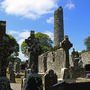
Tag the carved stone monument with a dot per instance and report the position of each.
(30, 41)
(49, 80)
(75, 58)
(10, 67)
(6, 45)
(66, 45)
(33, 79)
(12, 76)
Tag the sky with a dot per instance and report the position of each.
(21, 16)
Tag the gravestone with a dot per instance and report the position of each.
(33, 79)
(23, 65)
(30, 41)
(50, 79)
(75, 58)
(10, 67)
(6, 45)
(71, 86)
(17, 68)
(12, 76)
(66, 45)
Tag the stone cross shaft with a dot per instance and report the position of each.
(66, 45)
(30, 41)
(35, 50)
(5, 48)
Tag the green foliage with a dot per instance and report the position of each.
(82, 52)
(54, 48)
(44, 39)
(45, 42)
(24, 48)
(87, 43)
(16, 47)
(13, 57)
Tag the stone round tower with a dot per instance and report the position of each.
(58, 26)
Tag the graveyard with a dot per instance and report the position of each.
(52, 70)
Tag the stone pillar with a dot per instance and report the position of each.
(58, 26)
(2, 33)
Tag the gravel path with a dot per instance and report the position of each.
(15, 86)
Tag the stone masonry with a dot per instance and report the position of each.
(58, 26)
(54, 61)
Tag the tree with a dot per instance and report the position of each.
(87, 43)
(13, 56)
(45, 42)
(16, 47)
(82, 52)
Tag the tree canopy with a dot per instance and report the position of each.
(16, 47)
(13, 56)
(45, 42)
(87, 43)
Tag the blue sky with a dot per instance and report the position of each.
(21, 16)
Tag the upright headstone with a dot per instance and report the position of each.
(66, 45)
(17, 68)
(30, 41)
(10, 67)
(12, 76)
(75, 58)
(49, 80)
(33, 79)
(6, 45)
(58, 26)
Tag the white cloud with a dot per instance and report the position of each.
(22, 57)
(24, 34)
(69, 5)
(50, 20)
(20, 41)
(12, 32)
(29, 8)
(50, 34)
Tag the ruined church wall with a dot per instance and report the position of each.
(42, 62)
(85, 58)
(56, 62)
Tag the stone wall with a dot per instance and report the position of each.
(42, 63)
(85, 58)
(54, 61)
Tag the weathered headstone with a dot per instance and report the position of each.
(75, 58)
(33, 79)
(50, 79)
(23, 65)
(66, 45)
(17, 68)
(12, 76)
(6, 45)
(10, 67)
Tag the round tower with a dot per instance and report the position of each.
(58, 26)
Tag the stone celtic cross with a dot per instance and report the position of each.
(66, 45)
(35, 50)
